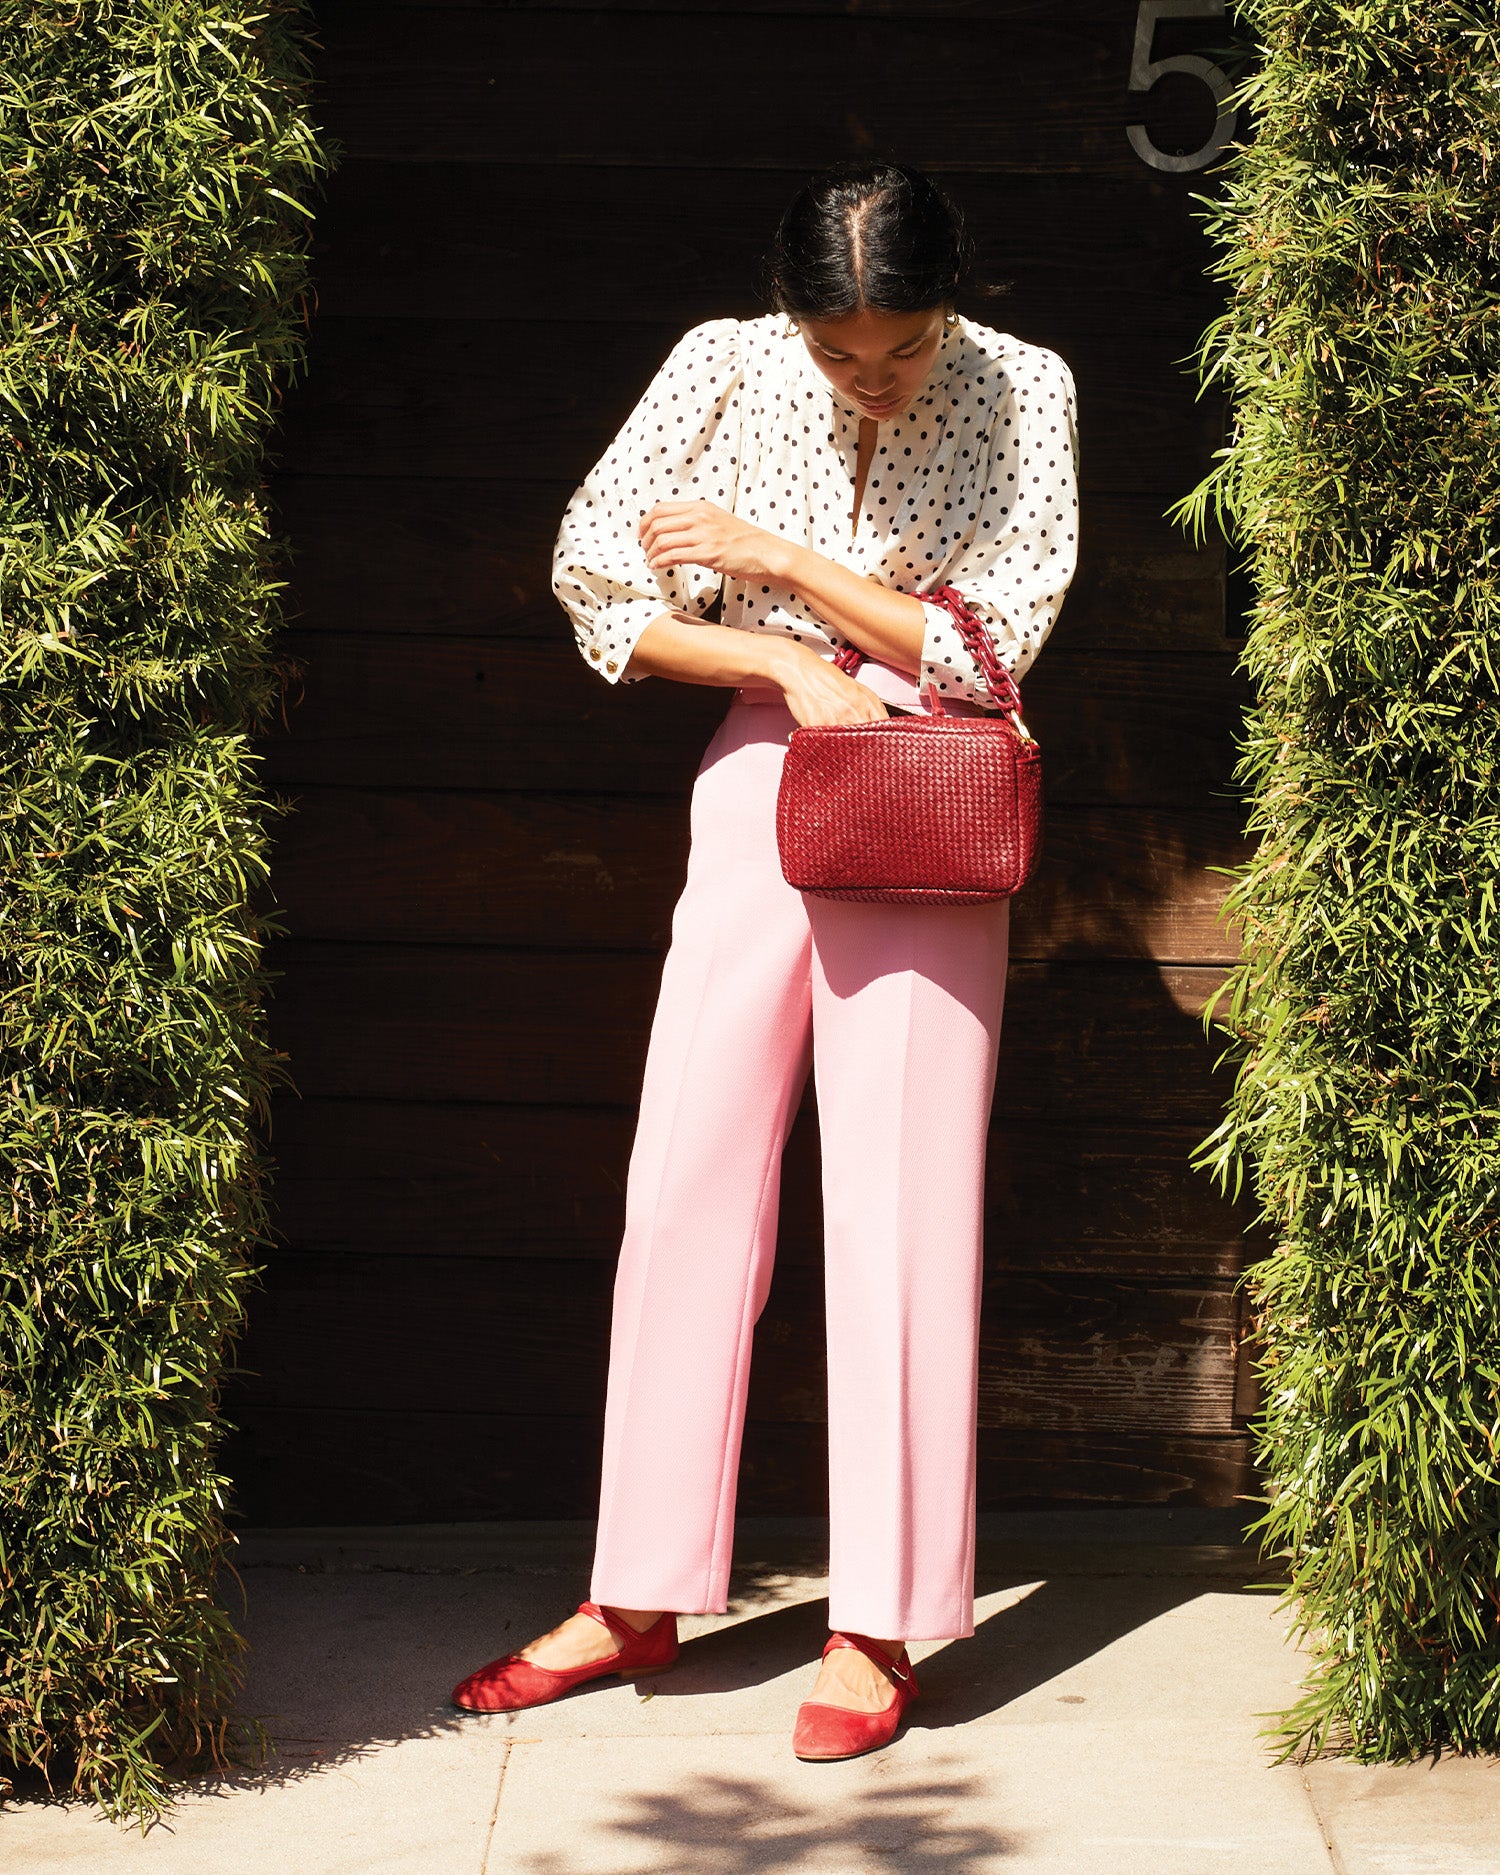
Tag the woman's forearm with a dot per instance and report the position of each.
(886, 625)
(678, 645)
(890, 626)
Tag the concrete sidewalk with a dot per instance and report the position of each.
(1104, 1718)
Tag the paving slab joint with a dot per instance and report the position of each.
(1335, 1860)
(489, 1834)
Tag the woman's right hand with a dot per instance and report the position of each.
(817, 692)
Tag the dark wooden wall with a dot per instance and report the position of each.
(533, 202)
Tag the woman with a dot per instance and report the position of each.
(788, 485)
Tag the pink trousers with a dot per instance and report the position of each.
(897, 1009)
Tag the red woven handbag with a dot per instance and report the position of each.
(915, 810)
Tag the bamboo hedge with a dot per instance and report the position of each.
(157, 159)
(1359, 237)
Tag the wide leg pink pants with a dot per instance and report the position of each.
(899, 1009)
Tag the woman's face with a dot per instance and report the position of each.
(878, 360)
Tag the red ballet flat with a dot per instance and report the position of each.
(511, 1683)
(824, 1732)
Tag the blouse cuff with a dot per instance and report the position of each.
(610, 638)
(947, 663)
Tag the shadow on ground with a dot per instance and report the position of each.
(745, 1826)
(346, 1661)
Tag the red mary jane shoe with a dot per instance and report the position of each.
(824, 1732)
(509, 1683)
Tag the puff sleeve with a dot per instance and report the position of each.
(680, 443)
(1020, 556)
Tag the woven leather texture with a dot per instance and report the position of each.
(942, 810)
(917, 810)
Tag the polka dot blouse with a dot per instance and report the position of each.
(974, 485)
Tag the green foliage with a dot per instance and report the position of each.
(1360, 239)
(153, 153)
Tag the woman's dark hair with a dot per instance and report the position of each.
(876, 235)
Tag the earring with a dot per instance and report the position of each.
(791, 330)
(951, 322)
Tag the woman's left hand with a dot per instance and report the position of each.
(697, 533)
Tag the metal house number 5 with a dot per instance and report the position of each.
(1144, 72)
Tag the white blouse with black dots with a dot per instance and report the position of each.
(974, 486)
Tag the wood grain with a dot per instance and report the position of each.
(473, 558)
(325, 1465)
(391, 1334)
(584, 871)
(386, 711)
(488, 839)
(418, 1022)
(462, 1179)
(464, 240)
(487, 397)
(1016, 13)
(441, 82)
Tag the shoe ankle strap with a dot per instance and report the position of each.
(900, 1666)
(622, 1629)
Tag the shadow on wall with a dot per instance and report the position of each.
(466, 998)
(478, 879)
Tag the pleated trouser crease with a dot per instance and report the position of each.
(897, 1010)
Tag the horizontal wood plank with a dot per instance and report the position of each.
(416, 1022)
(489, 840)
(473, 558)
(386, 711)
(298, 1466)
(462, 1179)
(1013, 12)
(391, 1334)
(1081, 257)
(595, 872)
(1050, 97)
(543, 398)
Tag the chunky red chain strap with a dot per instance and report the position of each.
(977, 641)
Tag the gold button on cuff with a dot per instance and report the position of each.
(595, 653)
(611, 667)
